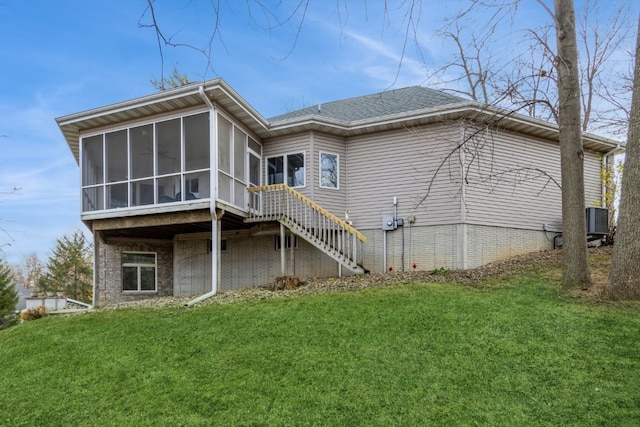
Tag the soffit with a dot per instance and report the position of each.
(495, 118)
(222, 95)
(217, 92)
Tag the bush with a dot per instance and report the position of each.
(34, 313)
(286, 282)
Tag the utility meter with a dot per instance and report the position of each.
(388, 223)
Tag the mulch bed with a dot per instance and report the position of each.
(543, 261)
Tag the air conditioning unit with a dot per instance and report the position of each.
(597, 221)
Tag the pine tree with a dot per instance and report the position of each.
(8, 295)
(70, 268)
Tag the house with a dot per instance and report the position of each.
(191, 191)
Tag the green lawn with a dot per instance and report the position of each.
(514, 354)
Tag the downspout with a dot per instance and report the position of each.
(603, 184)
(215, 260)
(215, 220)
(205, 98)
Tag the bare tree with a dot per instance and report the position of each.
(598, 43)
(526, 79)
(29, 273)
(546, 83)
(624, 280)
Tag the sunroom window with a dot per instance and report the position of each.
(232, 161)
(161, 162)
(288, 168)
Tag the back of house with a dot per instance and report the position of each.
(191, 191)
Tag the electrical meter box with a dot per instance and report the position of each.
(388, 223)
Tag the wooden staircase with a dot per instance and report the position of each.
(306, 219)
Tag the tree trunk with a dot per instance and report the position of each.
(624, 280)
(575, 273)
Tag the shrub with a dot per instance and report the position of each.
(286, 282)
(34, 313)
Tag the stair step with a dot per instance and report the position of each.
(288, 200)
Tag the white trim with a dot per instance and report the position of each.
(138, 265)
(337, 156)
(231, 175)
(162, 117)
(181, 173)
(239, 125)
(284, 166)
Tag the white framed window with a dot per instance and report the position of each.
(139, 272)
(286, 169)
(329, 170)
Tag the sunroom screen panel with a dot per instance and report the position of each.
(141, 151)
(117, 163)
(196, 141)
(92, 160)
(224, 145)
(168, 146)
(239, 154)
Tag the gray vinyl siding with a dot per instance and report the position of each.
(290, 144)
(513, 181)
(312, 143)
(401, 163)
(334, 200)
(592, 181)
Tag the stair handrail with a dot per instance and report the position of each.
(345, 225)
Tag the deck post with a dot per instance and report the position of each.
(282, 251)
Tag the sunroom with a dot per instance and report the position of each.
(157, 153)
(167, 162)
(167, 178)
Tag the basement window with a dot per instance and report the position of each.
(287, 242)
(138, 272)
(223, 245)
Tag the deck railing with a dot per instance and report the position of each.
(306, 218)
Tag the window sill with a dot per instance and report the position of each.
(139, 292)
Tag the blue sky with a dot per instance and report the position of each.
(65, 56)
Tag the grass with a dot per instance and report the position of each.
(516, 353)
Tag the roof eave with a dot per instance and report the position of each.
(475, 111)
(217, 90)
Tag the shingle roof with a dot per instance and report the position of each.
(377, 105)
